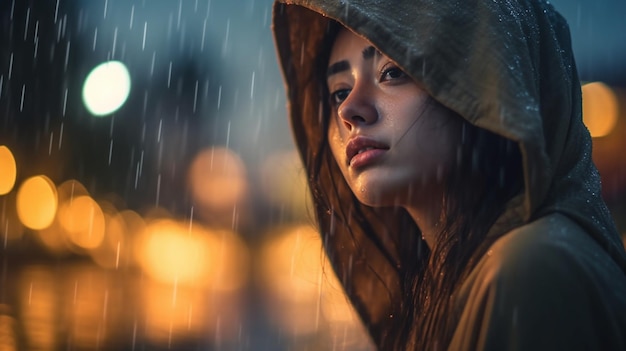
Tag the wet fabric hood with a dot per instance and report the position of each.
(505, 66)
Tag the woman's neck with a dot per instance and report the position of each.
(427, 214)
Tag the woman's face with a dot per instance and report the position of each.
(393, 144)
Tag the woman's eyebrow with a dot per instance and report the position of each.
(369, 52)
(337, 67)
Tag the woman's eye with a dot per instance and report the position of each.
(392, 73)
(338, 96)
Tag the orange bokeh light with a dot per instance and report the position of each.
(298, 276)
(217, 179)
(83, 221)
(37, 202)
(177, 253)
(600, 109)
(9, 170)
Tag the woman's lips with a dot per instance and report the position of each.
(362, 151)
(366, 157)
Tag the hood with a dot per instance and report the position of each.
(505, 66)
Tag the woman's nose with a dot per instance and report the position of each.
(358, 108)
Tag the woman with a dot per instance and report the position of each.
(451, 172)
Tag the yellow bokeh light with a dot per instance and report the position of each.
(37, 202)
(53, 238)
(174, 312)
(106, 88)
(217, 179)
(297, 275)
(8, 170)
(11, 228)
(172, 255)
(112, 251)
(8, 328)
(39, 308)
(83, 221)
(600, 109)
(177, 253)
(293, 263)
(70, 189)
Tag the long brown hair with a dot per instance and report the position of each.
(488, 173)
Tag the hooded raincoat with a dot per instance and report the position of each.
(554, 279)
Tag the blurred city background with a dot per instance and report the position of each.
(150, 193)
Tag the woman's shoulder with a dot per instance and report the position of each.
(553, 242)
(551, 251)
(546, 285)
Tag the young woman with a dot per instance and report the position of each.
(451, 172)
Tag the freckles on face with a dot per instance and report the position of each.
(388, 137)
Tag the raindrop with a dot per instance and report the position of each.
(134, 335)
(56, 11)
(64, 25)
(50, 144)
(67, 56)
(110, 151)
(180, 10)
(225, 44)
(219, 97)
(203, 36)
(191, 220)
(61, 136)
(145, 30)
(251, 86)
(117, 255)
(137, 172)
(105, 305)
(132, 16)
(169, 75)
(22, 98)
(228, 135)
(195, 97)
(36, 48)
(95, 39)
(158, 190)
(152, 64)
(160, 129)
(26, 24)
(114, 42)
(10, 66)
(64, 102)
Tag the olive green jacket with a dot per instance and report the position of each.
(555, 279)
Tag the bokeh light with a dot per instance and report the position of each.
(106, 88)
(173, 312)
(8, 328)
(39, 307)
(37, 202)
(55, 237)
(9, 170)
(600, 108)
(90, 303)
(217, 181)
(297, 276)
(113, 248)
(187, 254)
(83, 220)
(11, 228)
